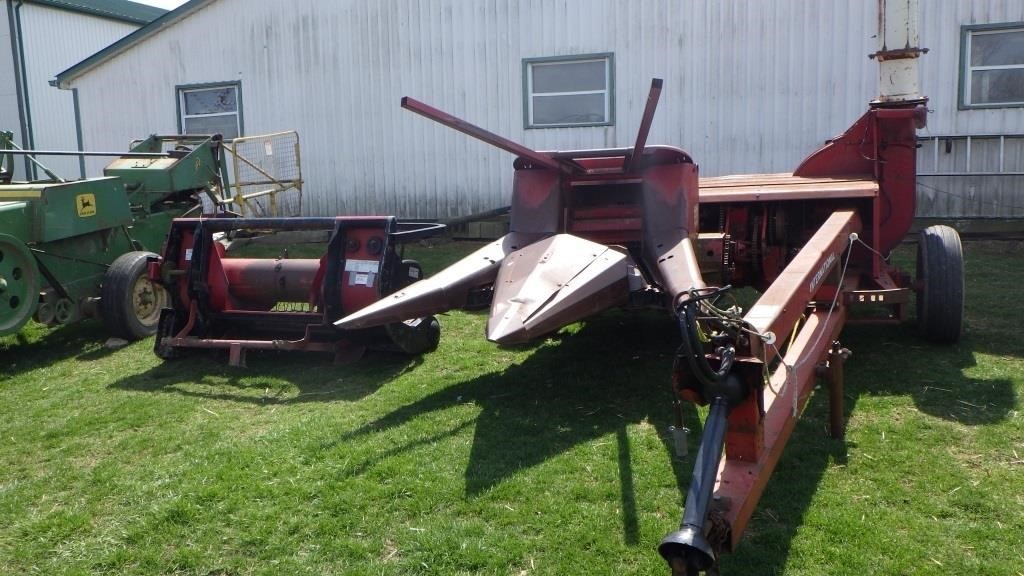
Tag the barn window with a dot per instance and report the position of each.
(568, 91)
(992, 57)
(210, 109)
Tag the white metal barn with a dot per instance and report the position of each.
(749, 87)
(39, 38)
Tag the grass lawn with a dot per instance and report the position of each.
(546, 459)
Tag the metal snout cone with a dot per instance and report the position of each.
(555, 282)
(443, 291)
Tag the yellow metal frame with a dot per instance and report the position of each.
(276, 187)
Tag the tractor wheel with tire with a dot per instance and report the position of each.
(940, 280)
(414, 337)
(130, 302)
(19, 284)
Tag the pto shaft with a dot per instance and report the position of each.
(687, 550)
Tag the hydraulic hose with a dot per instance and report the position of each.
(692, 349)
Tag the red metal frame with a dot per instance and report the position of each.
(865, 175)
(759, 427)
(811, 241)
(240, 304)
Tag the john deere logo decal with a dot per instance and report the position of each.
(86, 205)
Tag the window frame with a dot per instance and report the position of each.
(182, 89)
(609, 91)
(967, 32)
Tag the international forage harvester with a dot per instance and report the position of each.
(635, 227)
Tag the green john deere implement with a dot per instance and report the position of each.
(77, 249)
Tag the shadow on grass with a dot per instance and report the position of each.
(612, 373)
(36, 346)
(886, 361)
(894, 361)
(269, 376)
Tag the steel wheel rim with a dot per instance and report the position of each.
(147, 301)
(19, 284)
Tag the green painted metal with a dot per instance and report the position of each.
(195, 164)
(150, 230)
(77, 266)
(122, 10)
(65, 209)
(19, 283)
(59, 238)
(16, 218)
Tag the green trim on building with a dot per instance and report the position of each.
(174, 16)
(78, 130)
(114, 9)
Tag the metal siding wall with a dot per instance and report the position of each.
(940, 72)
(762, 84)
(970, 196)
(132, 95)
(749, 86)
(982, 182)
(54, 40)
(976, 195)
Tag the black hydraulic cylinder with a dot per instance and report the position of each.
(687, 550)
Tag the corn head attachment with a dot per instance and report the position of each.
(221, 300)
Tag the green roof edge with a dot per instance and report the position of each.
(166, 20)
(122, 10)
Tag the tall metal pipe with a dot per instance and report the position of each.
(898, 51)
(20, 81)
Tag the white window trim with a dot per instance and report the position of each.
(608, 91)
(967, 71)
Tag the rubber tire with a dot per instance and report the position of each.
(14, 254)
(940, 276)
(415, 339)
(116, 307)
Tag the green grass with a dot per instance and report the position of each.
(546, 459)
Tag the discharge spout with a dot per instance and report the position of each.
(898, 51)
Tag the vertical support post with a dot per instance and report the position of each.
(236, 355)
(836, 356)
(1002, 152)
